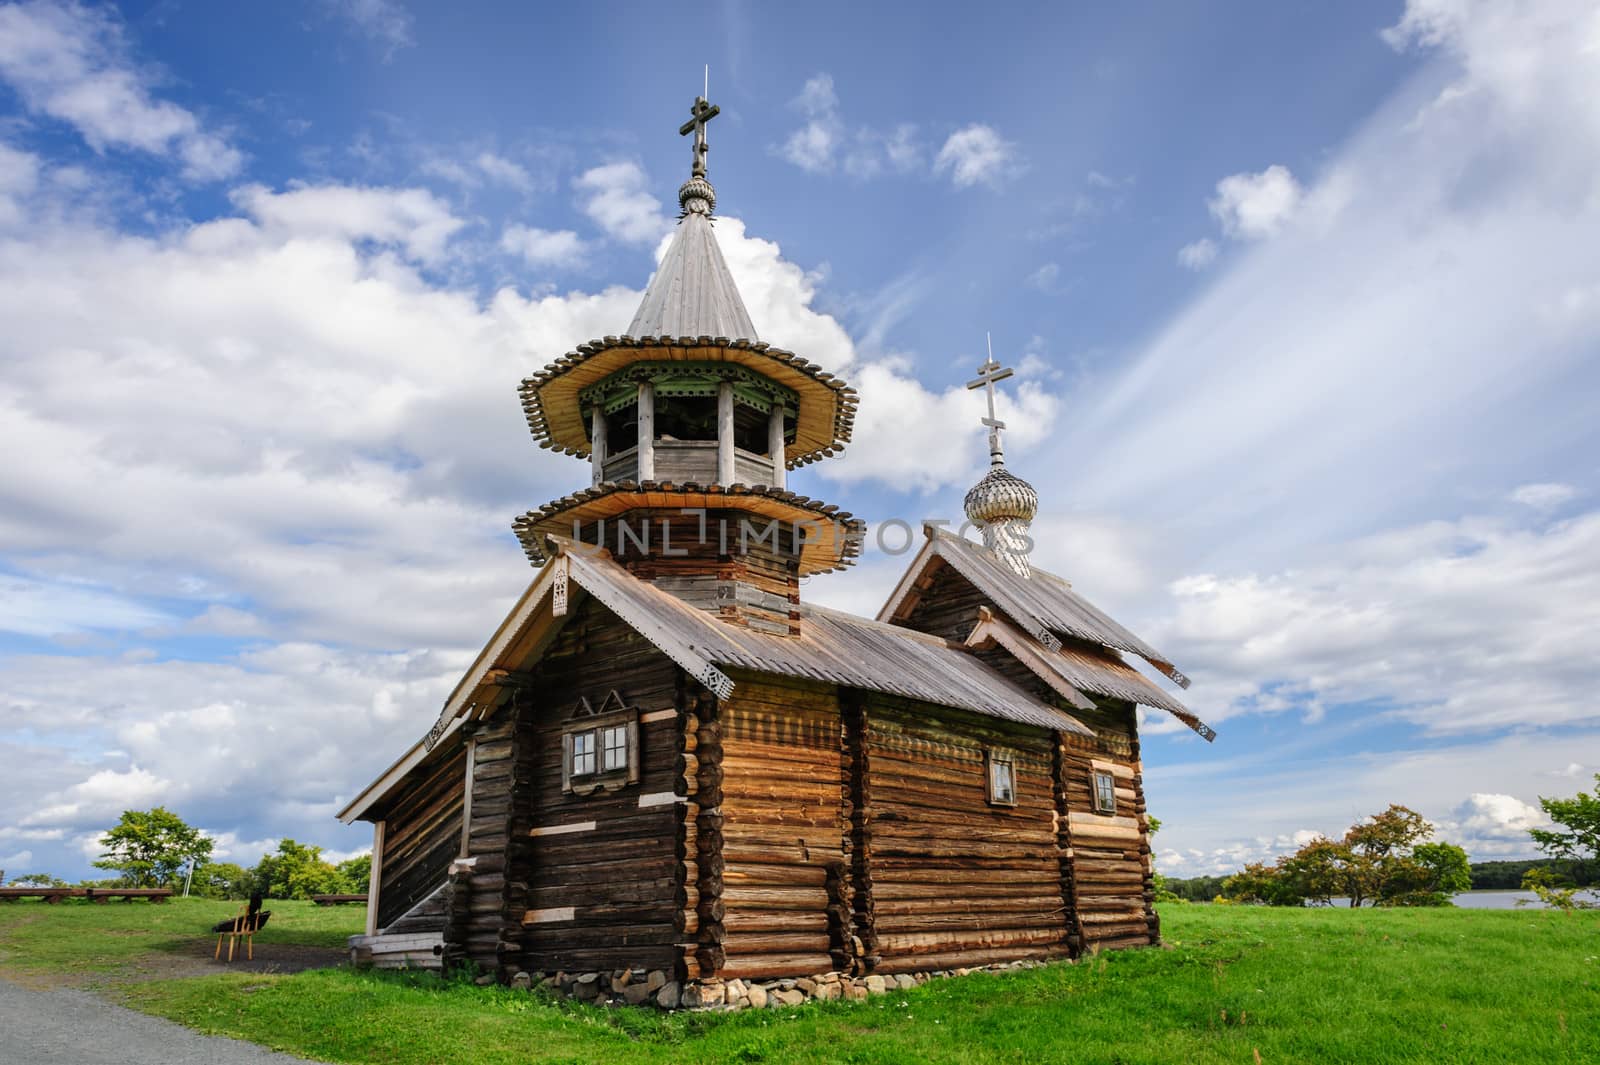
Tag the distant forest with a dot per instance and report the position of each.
(1486, 876)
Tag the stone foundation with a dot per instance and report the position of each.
(641, 987)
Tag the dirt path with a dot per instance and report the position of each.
(66, 1027)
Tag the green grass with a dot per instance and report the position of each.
(79, 937)
(1433, 986)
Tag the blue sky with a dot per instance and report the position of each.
(1305, 302)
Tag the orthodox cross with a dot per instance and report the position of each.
(703, 112)
(988, 374)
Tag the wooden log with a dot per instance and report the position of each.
(773, 966)
(738, 944)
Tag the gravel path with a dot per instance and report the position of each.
(77, 1028)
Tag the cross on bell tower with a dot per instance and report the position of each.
(989, 373)
(703, 112)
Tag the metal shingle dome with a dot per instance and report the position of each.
(1001, 496)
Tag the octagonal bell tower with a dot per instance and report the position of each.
(690, 423)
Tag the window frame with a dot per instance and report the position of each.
(594, 727)
(997, 756)
(1096, 775)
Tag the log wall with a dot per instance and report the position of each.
(954, 880)
(1112, 873)
(784, 891)
(601, 870)
(422, 835)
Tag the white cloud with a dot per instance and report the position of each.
(1254, 206)
(825, 142)
(814, 146)
(920, 439)
(385, 22)
(1499, 818)
(1198, 255)
(73, 64)
(15, 865)
(542, 247)
(101, 798)
(484, 167)
(976, 155)
(40, 608)
(503, 171)
(412, 219)
(619, 202)
(1544, 496)
(19, 176)
(1044, 279)
(1460, 626)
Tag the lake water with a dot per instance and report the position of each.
(1490, 900)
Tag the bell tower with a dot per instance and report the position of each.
(690, 423)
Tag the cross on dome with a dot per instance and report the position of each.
(696, 196)
(989, 373)
(703, 112)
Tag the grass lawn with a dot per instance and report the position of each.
(1323, 986)
(83, 939)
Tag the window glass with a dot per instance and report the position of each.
(1002, 779)
(1105, 793)
(582, 753)
(614, 747)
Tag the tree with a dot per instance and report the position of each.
(152, 848)
(1578, 837)
(224, 880)
(1319, 871)
(1432, 873)
(1378, 869)
(1258, 882)
(38, 880)
(297, 871)
(1382, 861)
(356, 874)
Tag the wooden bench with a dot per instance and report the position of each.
(56, 894)
(337, 900)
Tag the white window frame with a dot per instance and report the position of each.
(993, 759)
(590, 732)
(1097, 777)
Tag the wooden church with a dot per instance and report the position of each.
(665, 761)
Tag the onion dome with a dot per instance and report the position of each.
(1001, 496)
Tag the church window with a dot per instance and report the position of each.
(600, 747)
(582, 754)
(614, 747)
(1105, 792)
(1002, 778)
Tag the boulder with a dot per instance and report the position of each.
(521, 982)
(636, 994)
(855, 993)
(904, 981)
(669, 994)
(790, 997)
(876, 985)
(757, 996)
(656, 980)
